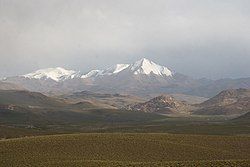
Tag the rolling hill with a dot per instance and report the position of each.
(35, 109)
(27, 98)
(163, 104)
(103, 100)
(228, 102)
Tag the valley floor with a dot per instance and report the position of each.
(195, 125)
(126, 149)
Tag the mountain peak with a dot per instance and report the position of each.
(144, 60)
(145, 66)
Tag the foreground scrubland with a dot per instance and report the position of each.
(126, 150)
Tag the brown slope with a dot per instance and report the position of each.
(164, 104)
(10, 86)
(243, 118)
(26, 98)
(228, 102)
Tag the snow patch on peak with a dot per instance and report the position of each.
(145, 66)
(92, 73)
(115, 69)
(57, 74)
(109, 71)
(143, 61)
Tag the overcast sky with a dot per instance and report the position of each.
(200, 38)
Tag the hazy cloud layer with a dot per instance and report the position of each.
(209, 38)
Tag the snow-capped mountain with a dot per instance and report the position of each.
(57, 74)
(141, 77)
(143, 66)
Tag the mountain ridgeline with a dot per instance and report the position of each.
(228, 102)
(141, 78)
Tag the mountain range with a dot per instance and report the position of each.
(141, 78)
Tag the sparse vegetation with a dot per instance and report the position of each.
(125, 150)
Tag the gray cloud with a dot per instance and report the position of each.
(207, 38)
